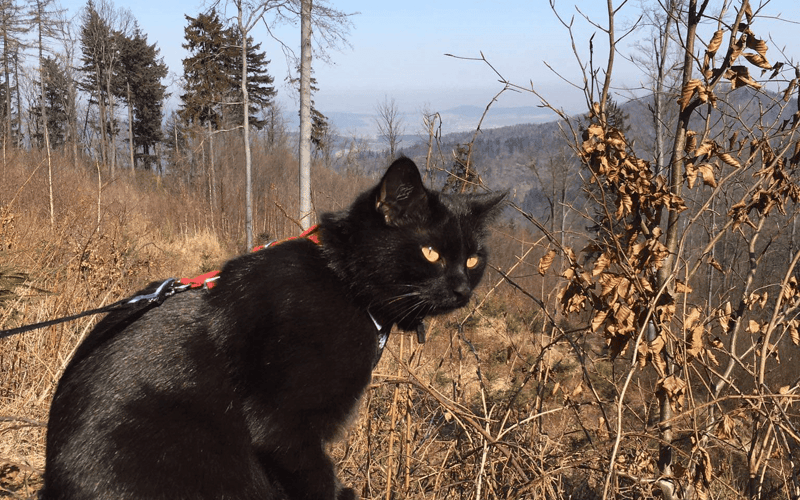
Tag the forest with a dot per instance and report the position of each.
(637, 331)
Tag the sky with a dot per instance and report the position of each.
(397, 50)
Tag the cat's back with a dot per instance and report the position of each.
(151, 388)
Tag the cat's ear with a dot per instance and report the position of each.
(487, 206)
(401, 196)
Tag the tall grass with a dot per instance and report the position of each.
(496, 404)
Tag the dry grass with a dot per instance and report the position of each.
(496, 404)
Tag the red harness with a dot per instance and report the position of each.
(209, 279)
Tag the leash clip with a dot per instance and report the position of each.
(163, 291)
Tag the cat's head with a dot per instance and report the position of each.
(408, 252)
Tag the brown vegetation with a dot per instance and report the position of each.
(641, 343)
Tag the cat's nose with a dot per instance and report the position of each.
(462, 290)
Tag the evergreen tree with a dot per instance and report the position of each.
(12, 27)
(259, 83)
(57, 102)
(142, 71)
(213, 75)
(319, 122)
(204, 71)
(100, 61)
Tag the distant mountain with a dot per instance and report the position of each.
(531, 152)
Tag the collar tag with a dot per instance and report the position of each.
(383, 337)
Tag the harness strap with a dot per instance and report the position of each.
(209, 279)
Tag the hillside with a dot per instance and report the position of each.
(528, 158)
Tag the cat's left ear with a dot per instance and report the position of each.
(401, 196)
(487, 206)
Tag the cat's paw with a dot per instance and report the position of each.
(347, 494)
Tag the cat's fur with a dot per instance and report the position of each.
(233, 392)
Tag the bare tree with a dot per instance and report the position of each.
(332, 26)
(304, 153)
(327, 28)
(390, 125)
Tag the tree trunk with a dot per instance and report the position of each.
(7, 103)
(248, 224)
(112, 150)
(102, 125)
(130, 124)
(305, 115)
(43, 109)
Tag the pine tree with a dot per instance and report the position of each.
(12, 27)
(260, 90)
(204, 72)
(319, 122)
(57, 102)
(100, 60)
(142, 71)
(213, 75)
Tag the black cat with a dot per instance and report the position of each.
(233, 392)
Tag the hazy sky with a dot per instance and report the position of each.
(398, 49)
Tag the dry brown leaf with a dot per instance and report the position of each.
(707, 170)
(654, 348)
(623, 315)
(625, 205)
(787, 94)
(715, 42)
(703, 473)
(726, 427)
(608, 283)
(675, 389)
(696, 341)
(753, 326)
(681, 287)
(748, 12)
(691, 318)
(691, 141)
(546, 261)
(691, 174)
(758, 45)
(687, 92)
(725, 318)
(595, 130)
(705, 148)
(716, 265)
(740, 77)
(598, 319)
(730, 160)
(570, 255)
(601, 264)
(757, 60)
(793, 333)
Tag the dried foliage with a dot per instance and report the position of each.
(641, 344)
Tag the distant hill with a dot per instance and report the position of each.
(505, 156)
(458, 119)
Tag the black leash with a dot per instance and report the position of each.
(163, 291)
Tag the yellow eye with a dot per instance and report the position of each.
(472, 262)
(430, 254)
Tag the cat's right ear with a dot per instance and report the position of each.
(401, 198)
